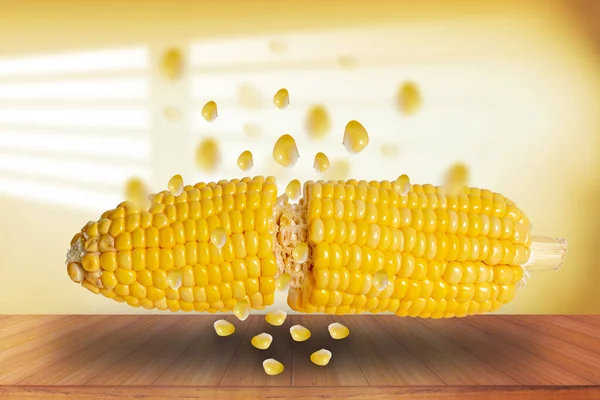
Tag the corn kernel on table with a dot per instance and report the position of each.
(181, 356)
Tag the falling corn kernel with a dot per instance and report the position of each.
(218, 237)
(356, 137)
(299, 333)
(136, 191)
(262, 341)
(321, 357)
(245, 161)
(207, 154)
(402, 185)
(241, 310)
(249, 97)
(283, 282)
(224, 328)
(409, 98)
(294, 190)
(300, 252)
(285, 151)
(339, 170)
(174, 279)
(321, 163)
(338, 331)
(457, 176)
(389, 150)
(281, 98)
(276, 318)
(253, 131)
(318, 123)
(171, 63)
(347, 62)
(380, 280)
(209, 111)
(176, 185)
(272, 366)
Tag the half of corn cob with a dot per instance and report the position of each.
(349, 247)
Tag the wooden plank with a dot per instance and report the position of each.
(342, 370)
(245, 368)
(453, 364)
(34, 337)
(204, 363)
(17, 324)
(80, 367)
(573, 358)
(298, 393)
(383, 359)
(588, 319)
(524, 367)
(30, 362)
(144, 365)
(570, 330)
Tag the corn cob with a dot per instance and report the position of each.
(345, 247)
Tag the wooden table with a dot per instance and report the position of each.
(180, 356)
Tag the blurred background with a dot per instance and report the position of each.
(95, 93)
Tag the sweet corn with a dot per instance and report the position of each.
(272, 366)
(136, 191)
(172, 63)
(224, 328)
(262, 341)
(338, 331)
(176, 185)
(300, 252)
(318, 122)
(293, 190)
(285, 151)
(207, 155)
(409, 98)
(245, 161)
(283, 282)
(276, 318)
(218, 237)
(321, 163)
(356, 137)
(380, 280)
(209, 111)
(299, 333)
(321, 357)
(281, 98)
(242, 310)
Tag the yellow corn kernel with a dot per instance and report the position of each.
(285, 151)
(136, 191)
(281, 98)
(76, 272)
(174, 279)
(208, 155)
(321, 163)
(300, 252)
(402, 185)
(176, 185)
(276, 318)
(318, 122)
(338, 331)
(356, 137)
(218, 237)
(245, 161)
(90, 262)
(293, 190)
(380, 280)
(224, 328)
(299, 333)
(409, 98)
(171, 63)
(241, 310)
(456, 177)
(272, 366)
(209, 111)
(321, 357)
(262, 341)
(283, 282)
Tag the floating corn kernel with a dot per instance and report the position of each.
(300, 252)
(262, 341)
(253, 131)
(245, 161)
(249, 97)
(389, 150)
(356, 137)
(409, 98)
(321, 163)
(209, 111)
(174, 279)
(338, 331)
(380, 280)
(218, 237)
(318, 123)
(283, 282)
(402, 185)
(299, 333)
(224, 328)
(272, 366)
(347, 62)
(321, 357)
(294, 190)
(241, 310)
(176, 185)
(207, 154)
(171, 63)
(456, 176)
(276, 318)
(339, 170)
(281, 98)
(285, 151)
(136, 191)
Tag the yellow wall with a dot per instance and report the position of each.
(546, 139)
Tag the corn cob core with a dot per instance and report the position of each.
(444, 254)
